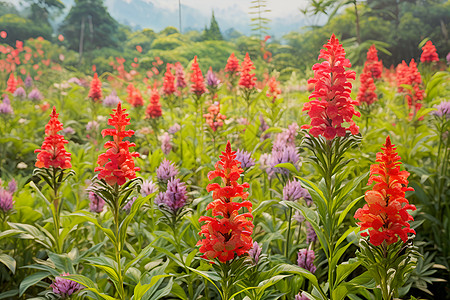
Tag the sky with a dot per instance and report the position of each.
(279, 8)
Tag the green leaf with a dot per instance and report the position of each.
(94, 221)
(178, 291)
(31, 280)
(302, 272)
(344, 213)
(158, 293)
(344, 269)
(289, 167)
(112, 274)
(89, 284)
(12, 294)
(8, 261)
(144, 252)
(211, 278)
(140, 290)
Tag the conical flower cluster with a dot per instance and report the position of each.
(248, 79)
(385, 214)
(116, 165)
(227, 234)
(198, 83)
(134, 96)
(366, 92)
(409, 75)
(53, 152)
(333, 108)
(169, 81)
(95, 93)
(372, 64)
(232, 64)
(153, 110)
(11, 84)
(429, 53)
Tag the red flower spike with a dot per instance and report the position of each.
(198, 83)
(214, 118)
(134, 96)
(95, 93)
(385, 214)
(116, 165)
(367, 89)
(11, 83)
(169, 82)
(153, 110)
(372, 64)
(409, 75)
(227, 234)
(429, 53)
(333, 106)
(274, 90)
(248, 79)
(53, 152)
(232, 64)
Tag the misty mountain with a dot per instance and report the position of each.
(140, 14)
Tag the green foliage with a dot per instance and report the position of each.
(91, 19)
(213, 32)
(21, 29)
(259, 23)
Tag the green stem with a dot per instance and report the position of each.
(288, 237)
(56, 211)
(118, 245)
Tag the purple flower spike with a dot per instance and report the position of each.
(300, 296)
(20, 93)
(96, 203)
(166, 145)
(111, 100)
(294, 191)
(35, 95)
(6, 200)
(179, 73)
(175, 128)
(166, 171)
(65, 287)
(255, 252)
(211, 79)
(245, 158)
(306, 260)
(5, 107)
(175, 197)
(311, 236)
(443, 109)
(28, 81)
(127, 207)
(148, 187)
(263, 127)
(12, 186)
(283, 153)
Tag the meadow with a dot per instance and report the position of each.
(177, 182)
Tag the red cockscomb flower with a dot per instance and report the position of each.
(385, 214)
(134, 96)
(52, 152)
(333, 106)
(409, 75)
(227, 234)
(274, 90)
(154, 108)
(11, 83)
(169, 81)
(248, 79)
(116, 165)
(214, 118)
(198, 83)
(232, 64)
(372, 64)
(95, 93)
(429, 53)
(366, 92)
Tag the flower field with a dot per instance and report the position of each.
(179, 182)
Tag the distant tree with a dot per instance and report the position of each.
(7, 8)
(21, 29)
(89, 26)
(231, 34)
(213, 32)
(168, 31)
